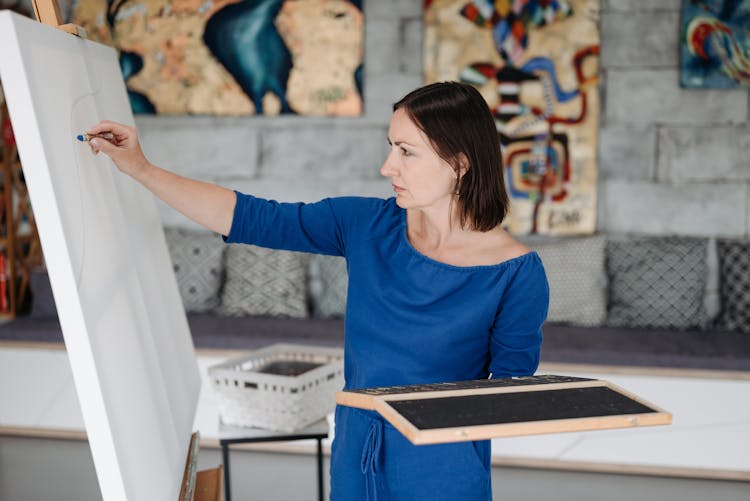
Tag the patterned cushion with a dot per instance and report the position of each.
(264, 282)
(734, 284)
(657, 282)
(577, 280)
(197, 262)
(328, 285)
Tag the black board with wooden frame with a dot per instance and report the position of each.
(491, 408)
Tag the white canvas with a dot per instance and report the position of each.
(125, 329)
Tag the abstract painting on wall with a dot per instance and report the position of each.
(234, 57)
(536, 62)
(715, 44)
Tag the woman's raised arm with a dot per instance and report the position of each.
(207, 204)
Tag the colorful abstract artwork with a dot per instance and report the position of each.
(536, 62)
(234, 57)
(715, 45)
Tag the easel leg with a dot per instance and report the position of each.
(225, 460)
(320, 470)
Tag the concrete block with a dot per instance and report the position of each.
(378, 188)
(331, 153)
(654, 96)
(712, 300)
(201, 147)
(381, 91)
(603, 78)
(704, 154)
(412, 55)
(383, 47)
(662, 209)
(296, 190)
(392, 9)
(640, 5)
(393, 46)
(627, 152)
(66, 9)
(170, 218)
(637, 39)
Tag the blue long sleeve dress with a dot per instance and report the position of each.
(409, 320)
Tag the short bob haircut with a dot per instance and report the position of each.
(456, 120)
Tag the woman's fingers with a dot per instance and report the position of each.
(119, 130)
(116, 134)
(121, 146)
(102, 145)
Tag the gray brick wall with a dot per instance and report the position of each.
(672, 161)
(302, 158)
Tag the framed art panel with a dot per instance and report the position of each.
(537, 65)
(234, 57)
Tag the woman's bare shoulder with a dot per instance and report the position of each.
(510, 248)
(497, 246)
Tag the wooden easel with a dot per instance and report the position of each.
(203, 485)
(48, 12)
(196, 485)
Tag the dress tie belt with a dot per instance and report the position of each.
(371, 458)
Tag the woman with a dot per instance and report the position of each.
(437, 290)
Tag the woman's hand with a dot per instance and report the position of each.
(205, 203)
(124, 148)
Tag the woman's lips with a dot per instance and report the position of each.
(397, 188)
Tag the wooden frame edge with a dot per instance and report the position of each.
(357, 400)
(493, 390)
(397, 420)
(187, 486)
(659, 416)
(638, 399)
(369, 402)
(209, 484)
(507, 430)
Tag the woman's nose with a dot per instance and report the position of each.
(387, 168)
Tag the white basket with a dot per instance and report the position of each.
(251, 396)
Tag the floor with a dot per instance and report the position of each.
(708, 439)
(62, 470)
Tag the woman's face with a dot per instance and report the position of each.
(420, 178)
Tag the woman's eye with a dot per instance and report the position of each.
(405, 152)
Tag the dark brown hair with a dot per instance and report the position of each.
(456, 120)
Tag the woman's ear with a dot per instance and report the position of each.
(463, 165)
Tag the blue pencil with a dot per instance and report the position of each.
(88, 137)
